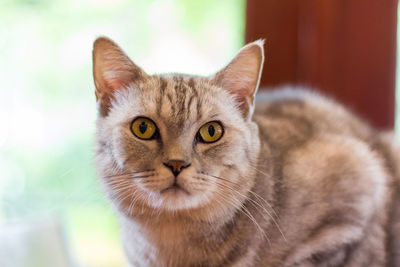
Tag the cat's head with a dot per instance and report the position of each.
(173, 142)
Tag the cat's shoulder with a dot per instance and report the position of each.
(289, 116)
(318, 138)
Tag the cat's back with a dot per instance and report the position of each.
(302, 114)
(331, 166)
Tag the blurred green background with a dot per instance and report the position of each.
(47, 103)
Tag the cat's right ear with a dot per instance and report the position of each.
(112, 71)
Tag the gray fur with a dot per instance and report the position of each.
(301, 182)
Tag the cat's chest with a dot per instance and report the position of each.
(182, 245)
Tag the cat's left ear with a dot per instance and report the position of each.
(241, 77)
(112, 71)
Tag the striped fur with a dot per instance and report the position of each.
(301, 182)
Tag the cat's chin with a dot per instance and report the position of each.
(174, 189)
(175, 198)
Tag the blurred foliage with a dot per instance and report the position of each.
(47, 104)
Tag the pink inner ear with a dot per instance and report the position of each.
(118, 74)
(238, 89)
(239, 84)
(112, 71)
(241, 76)
(112, 68)
(115, 84)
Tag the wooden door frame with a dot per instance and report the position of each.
(344, 48)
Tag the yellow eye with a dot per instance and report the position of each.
(143, 128)
(211, 132)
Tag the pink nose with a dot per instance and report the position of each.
(176, 166)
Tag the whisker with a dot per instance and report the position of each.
(142, 176)
(127, 178)
(258, 196)
(246, 212)
(118, 182)
(127, 194)
(254, 203)
(250, 191)
(134, 199)
(265, 201)
(266, 174)
(128, 173)
(151, 181)
(226, 180)
(119, 186)
(254, 220)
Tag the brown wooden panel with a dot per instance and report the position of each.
(275, 21)
(345, 48)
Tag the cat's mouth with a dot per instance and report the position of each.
(174, 188)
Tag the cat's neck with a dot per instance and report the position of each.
(185, 241)
(162, 239)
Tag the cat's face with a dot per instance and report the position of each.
(175, 142)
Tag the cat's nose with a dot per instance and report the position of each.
(176, 166)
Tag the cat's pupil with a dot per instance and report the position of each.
(211, 130)
(143, 127)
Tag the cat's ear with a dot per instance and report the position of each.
(241, 77)
(112, 71)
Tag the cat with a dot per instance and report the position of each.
(202, 175)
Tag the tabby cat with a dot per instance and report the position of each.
(200, 175)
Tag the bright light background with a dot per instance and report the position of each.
(47, 103)
(397, 117)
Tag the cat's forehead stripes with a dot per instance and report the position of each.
(159, 99)
(178, 99)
